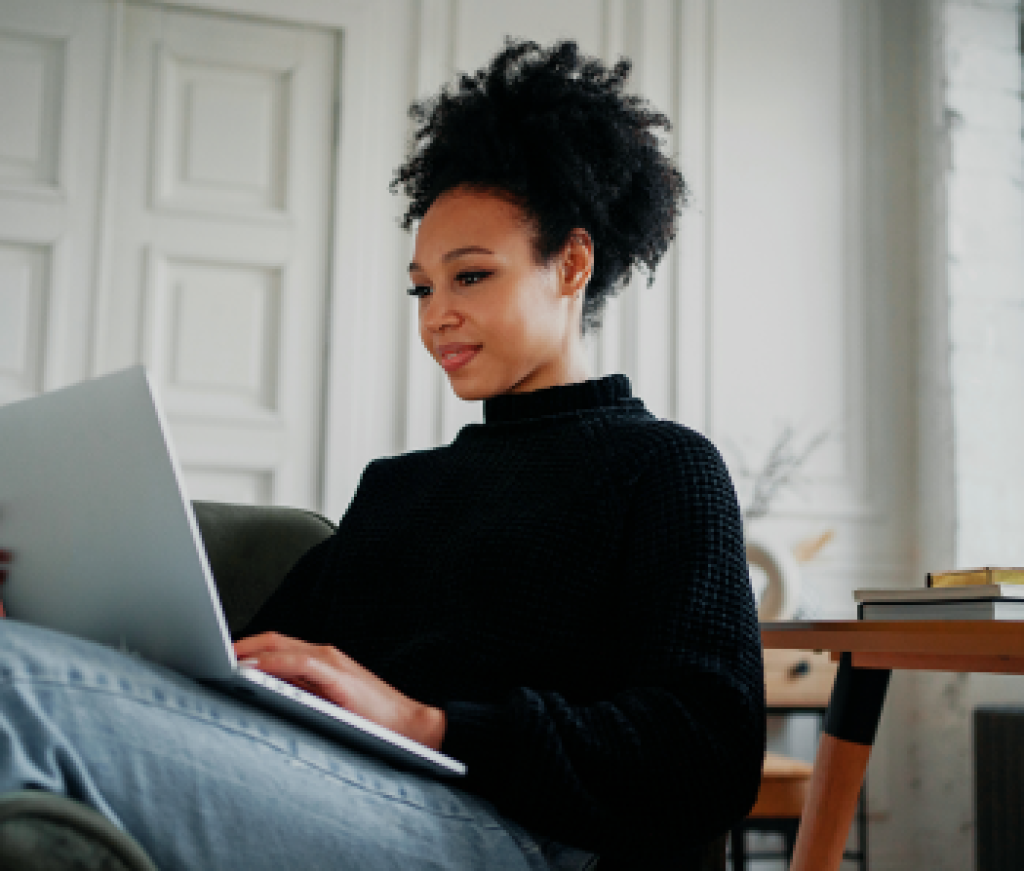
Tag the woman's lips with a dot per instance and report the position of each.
(456, 356)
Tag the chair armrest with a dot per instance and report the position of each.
(251, 548)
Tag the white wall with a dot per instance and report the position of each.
(971, 380)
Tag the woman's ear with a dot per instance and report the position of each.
(577, 262)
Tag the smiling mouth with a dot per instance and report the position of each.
(453, 360)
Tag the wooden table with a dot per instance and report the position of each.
(867, 653)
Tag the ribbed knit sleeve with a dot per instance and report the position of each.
(673, 749)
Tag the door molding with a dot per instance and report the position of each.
(357, 250)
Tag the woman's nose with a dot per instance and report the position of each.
(438, 313)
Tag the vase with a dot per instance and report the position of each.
(781, 596)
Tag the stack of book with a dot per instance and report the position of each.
(968, 594)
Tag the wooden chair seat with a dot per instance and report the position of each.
(780, 802)
(795, 682)
(784, 783)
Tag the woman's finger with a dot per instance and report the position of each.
(290, 666)
(310, 673)
(253, 650)
(265, 642)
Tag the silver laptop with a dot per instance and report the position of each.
(106, 548)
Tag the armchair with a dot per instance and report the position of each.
(251, 548)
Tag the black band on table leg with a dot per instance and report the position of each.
(856, 704)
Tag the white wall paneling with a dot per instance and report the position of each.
(807, 287)
(364, 299)
(480, 26)
(215, 336)
(787, 244)
(646, 313)
(31, 96)
(222, 135)
(607, 353)
(369, 338)
(52, 68)
(174, 185)
(694, 136)
(25, 303)
(218, 277)
(247, 487)
(426, 392)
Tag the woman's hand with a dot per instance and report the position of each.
(331, 675)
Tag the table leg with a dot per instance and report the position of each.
(850, 726)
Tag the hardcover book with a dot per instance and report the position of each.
(917, 595)
(976, 577)
(978, 609)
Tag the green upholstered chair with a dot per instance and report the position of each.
(250, 550)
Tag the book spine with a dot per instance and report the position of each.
(970, 578)
(975, 577)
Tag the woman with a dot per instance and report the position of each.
(559, 598)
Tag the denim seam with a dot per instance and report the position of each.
(238, 731)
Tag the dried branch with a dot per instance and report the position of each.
(780, 469)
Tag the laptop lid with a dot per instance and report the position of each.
(104, 540)
(106, 547)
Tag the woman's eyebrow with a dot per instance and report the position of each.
(453, 254)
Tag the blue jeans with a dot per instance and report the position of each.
(203, 781)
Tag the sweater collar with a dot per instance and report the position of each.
(581, 396)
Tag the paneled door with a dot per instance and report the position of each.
(52, 75)
(219, 257)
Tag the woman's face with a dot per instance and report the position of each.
(493, 318)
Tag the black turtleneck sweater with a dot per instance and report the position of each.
(568, 582)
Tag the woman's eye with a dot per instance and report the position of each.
(419, 290)
(465, 279)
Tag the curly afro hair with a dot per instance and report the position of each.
(552, 130)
